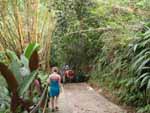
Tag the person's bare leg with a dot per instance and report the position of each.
(56, 102)
(49, 104)
(52, 102)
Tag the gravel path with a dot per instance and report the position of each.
(81, 98)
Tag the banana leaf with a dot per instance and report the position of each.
(9, 77)
(30, 49)
(15, 68)
(34, 61)
(24, 61)
(27, 82)
(12, 56)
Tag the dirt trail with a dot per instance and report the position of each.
(81, 98)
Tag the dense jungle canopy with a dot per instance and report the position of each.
(107, 40)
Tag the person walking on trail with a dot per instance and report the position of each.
(54, 82)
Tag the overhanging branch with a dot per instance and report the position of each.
(137, 11)
(102, 29)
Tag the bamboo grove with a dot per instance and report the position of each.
(24, 22)
(108, 40)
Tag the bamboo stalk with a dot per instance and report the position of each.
(34, 5)
(48, 43)
(44, 23)
(19, 24)
(13, 33)
(27, 20)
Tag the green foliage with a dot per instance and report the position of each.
(30, 49)
(24, 61)
(120, 58)
(4, 99)
(141, 65)
(15, 68)
(111, 35)
(3, 57)
(28, 80)
(12, 55)
(43, 77)
(73, 16)
(25, 79)
(127, 69)
(122, 66)
(144, 109)
(4, 95)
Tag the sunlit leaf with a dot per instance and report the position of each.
(30, 49)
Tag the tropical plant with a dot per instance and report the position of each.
(17, 84)
(141, 63)
(122, 65)
(23, 22)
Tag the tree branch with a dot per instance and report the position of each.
(103, 29)
(137, 11)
